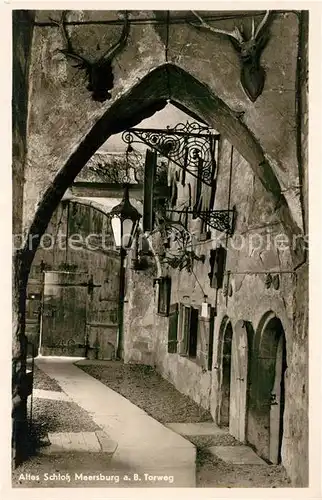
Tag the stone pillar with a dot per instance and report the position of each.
(19, 354)
(22, 31)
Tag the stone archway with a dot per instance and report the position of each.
(268, 389)
(166, 83)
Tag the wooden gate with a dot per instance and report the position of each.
(238, 383)
(79, 314)
(63, 328)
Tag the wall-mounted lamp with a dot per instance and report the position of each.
(205, 308)
(124, 220)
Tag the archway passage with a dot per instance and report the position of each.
(268, 391)
(224, 413)
(167, 83)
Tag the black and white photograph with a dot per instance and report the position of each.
(160, 247)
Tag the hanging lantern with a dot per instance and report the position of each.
(124, 220)
(205, 308)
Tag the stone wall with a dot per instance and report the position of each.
(62, 108)
(22, 31)
(296, 454)
(259, 246)
(139, 315)
(22, 36)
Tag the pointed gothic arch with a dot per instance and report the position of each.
(166, 83)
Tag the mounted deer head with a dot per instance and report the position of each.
(99, 73)
(252, 74)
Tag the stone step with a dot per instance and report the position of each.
(237, 455)
(197, 429)
(97, 441)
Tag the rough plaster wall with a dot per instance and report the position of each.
(255, 235)
(62, 108)
(211, 58)
(295, 454)
(250, 301)
(22, 34)
(295, 447)
(21, 49)
(139, 313)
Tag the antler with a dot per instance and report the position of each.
(236, 33)
(99, 73)
(80, 62)
(261, 24)
(61, 25)
(110, 53)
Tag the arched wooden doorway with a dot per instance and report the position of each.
(242, 338)
(226, 345)
(269, 389)
(234, 361)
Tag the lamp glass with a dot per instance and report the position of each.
(128, 226)
(117, 231)
(204, 310)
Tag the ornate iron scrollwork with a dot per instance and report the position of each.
(221, 220)
(190, 146)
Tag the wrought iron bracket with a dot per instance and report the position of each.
(221, 220)
(190, 146)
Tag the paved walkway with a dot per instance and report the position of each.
(145, 447)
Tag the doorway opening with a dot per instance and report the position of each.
(225, 376)
(193, 334)
(278, 404)
(270, 390)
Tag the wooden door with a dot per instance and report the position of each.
(102, 313)
(238, 384)
(173, 329)
(193, 334)
(63, 329)
(225, 376)
(277, 405)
